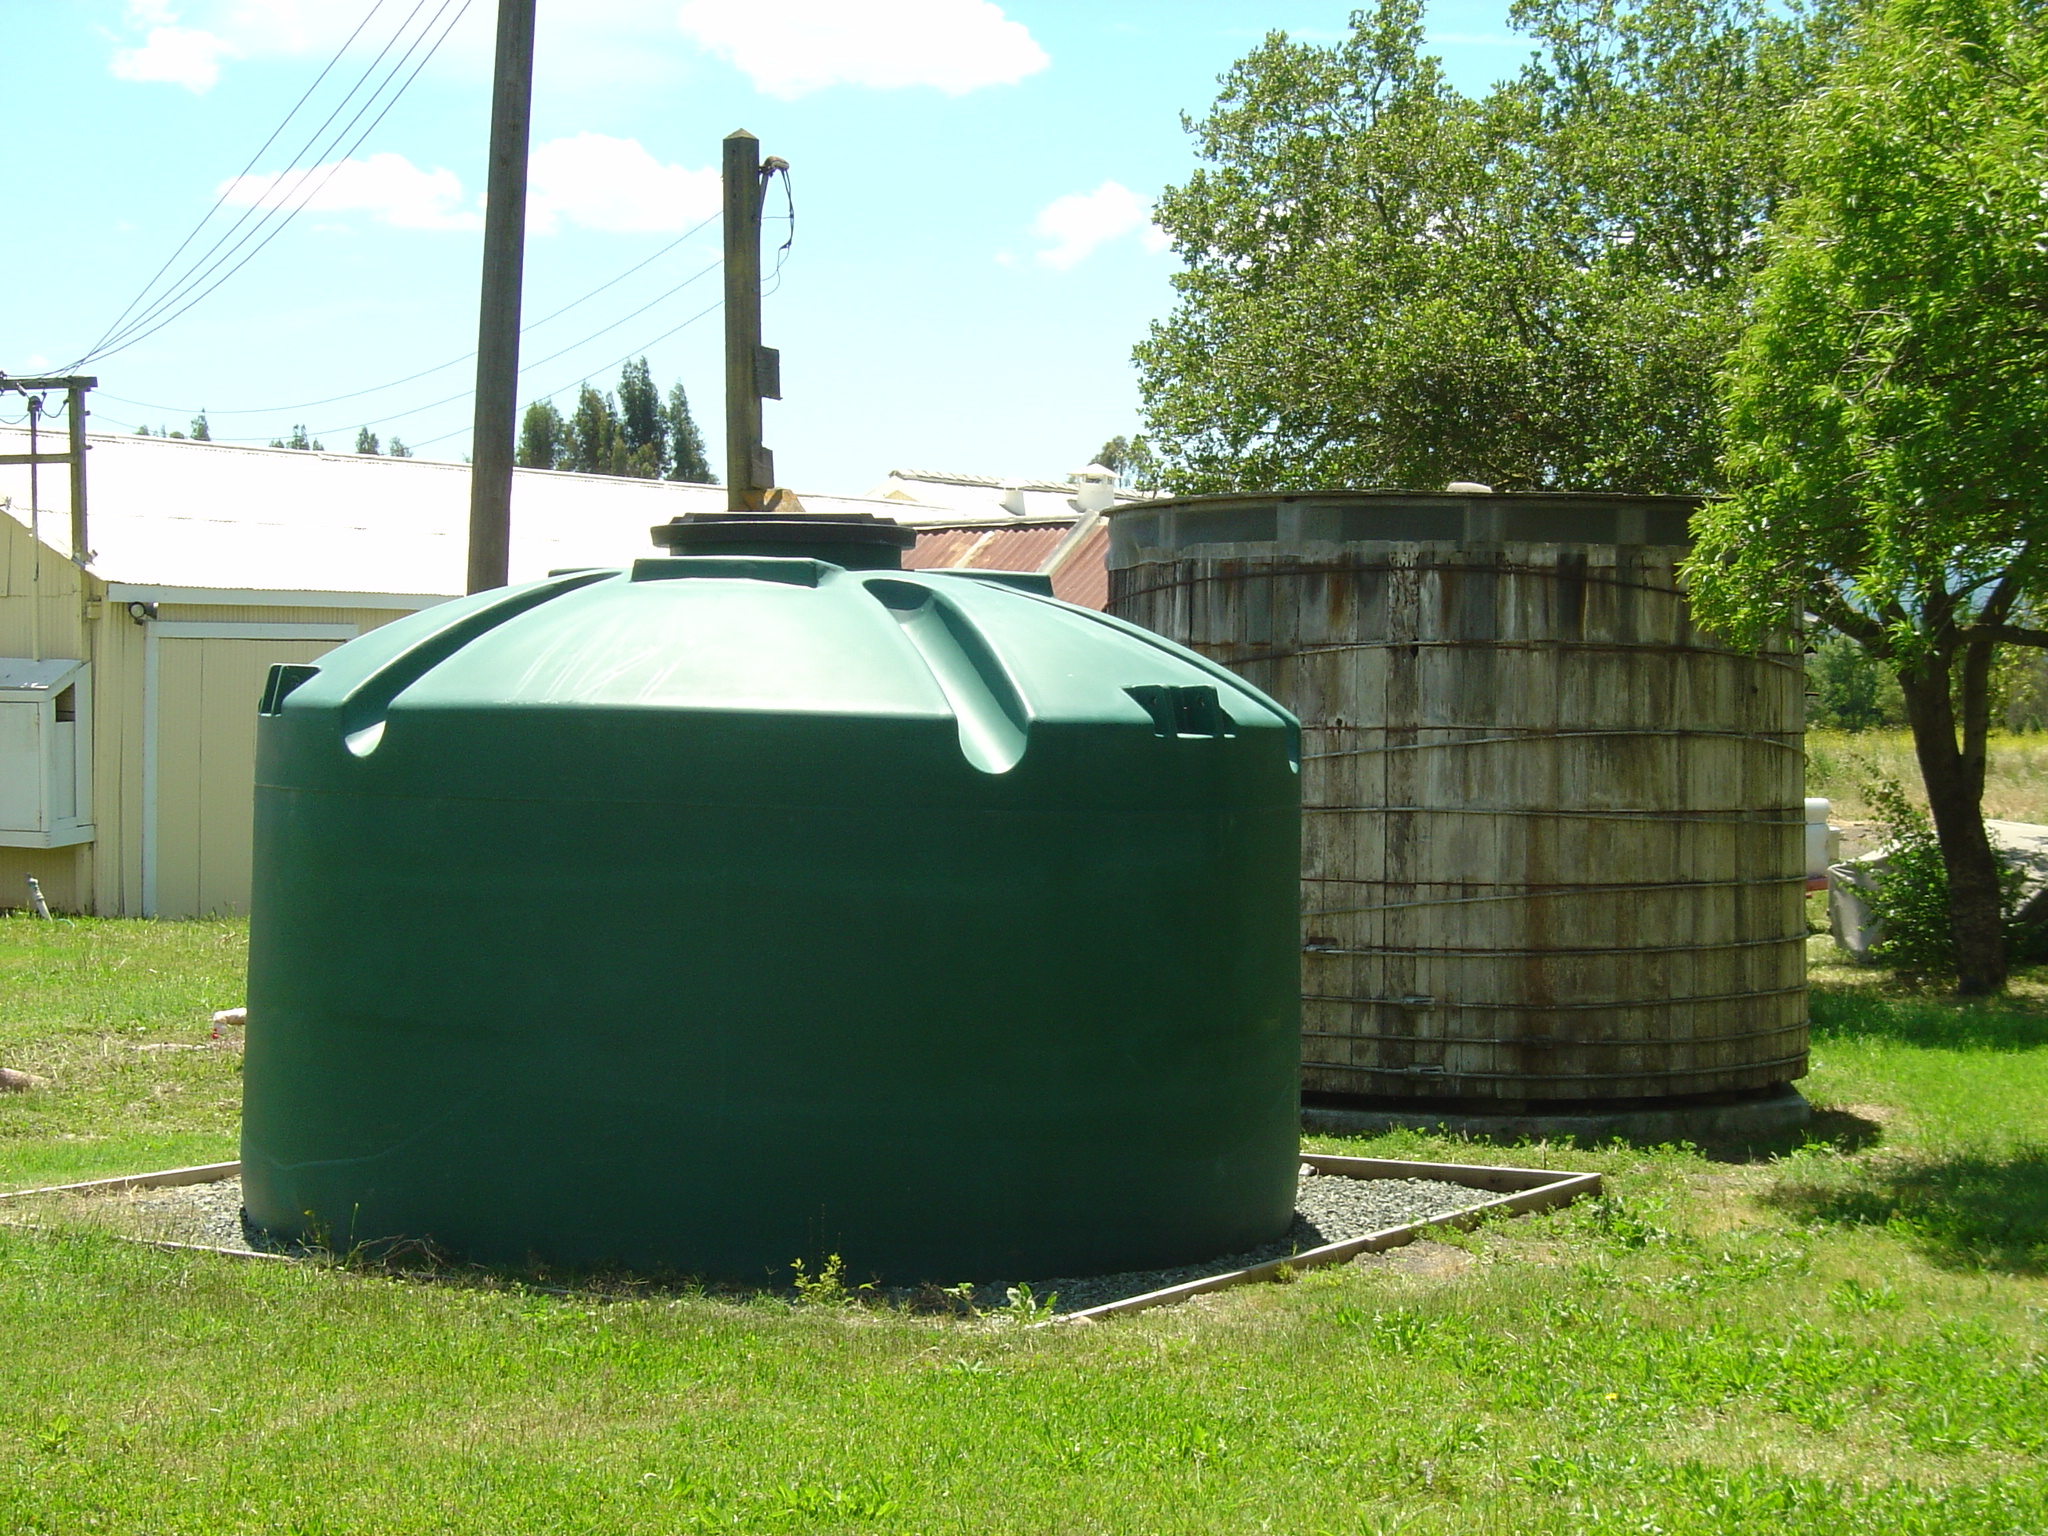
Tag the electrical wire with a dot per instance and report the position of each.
(532, 325)
(614, 363)
(199, 271)
(525, 367)
(782, 251)
(219, 201)
(133, 335)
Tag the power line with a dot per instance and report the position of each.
(379, 421)
(199, 271)
(133, 335)
(283, 123)
(307, 405)
(614, 363)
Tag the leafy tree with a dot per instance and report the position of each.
(1137, 466)
(642, 423)
(1848, 689)
(201, 432)
(397, 449)
(298, 440)
(1887, 461)
(687, 459)
(366, 440)
(630, 433)
(143, 431)
(595, 447)
(1387, 282)
(543, 437)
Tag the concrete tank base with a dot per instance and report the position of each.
(1705, 1119)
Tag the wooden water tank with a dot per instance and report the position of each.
(1551, 831)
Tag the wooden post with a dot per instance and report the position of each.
(76, 419)
(751, 370)
(497, 346)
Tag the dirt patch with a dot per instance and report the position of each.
(1424, 1259)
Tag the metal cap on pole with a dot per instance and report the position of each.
(497, 347)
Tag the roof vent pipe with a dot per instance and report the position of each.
(1094, 488)
(1012, 499)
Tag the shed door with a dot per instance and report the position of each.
(208, 690)
(21, 767)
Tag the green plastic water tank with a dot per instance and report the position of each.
(749, 906)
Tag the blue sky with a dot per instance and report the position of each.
(971, 267)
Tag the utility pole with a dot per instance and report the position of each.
(74, 387)
(752, 372)
(497, 344)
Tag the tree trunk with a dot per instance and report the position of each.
(1954, 778)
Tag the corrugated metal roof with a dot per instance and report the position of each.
(1082, 576)
(1079, 576)
(1024, 547)
(176, 513)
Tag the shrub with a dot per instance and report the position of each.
(1911, 900)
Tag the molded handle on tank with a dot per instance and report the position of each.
(994, 725)
(1193, 658)
(363, 711)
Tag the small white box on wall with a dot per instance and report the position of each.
(45, 753)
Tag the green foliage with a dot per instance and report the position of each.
(1137, 466)
(1885, 458)
(397, 449)
(1388, 283)
(643, 426)
(543, 437)
(631, 433)
(366, 441)
(201, 432)
(298, 440)
(687, 459)
(1911, 900)
(826, 1287)
(1849, 689)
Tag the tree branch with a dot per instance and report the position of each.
(2007, 634)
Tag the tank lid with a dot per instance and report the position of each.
(860, 541)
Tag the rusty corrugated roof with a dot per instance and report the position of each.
(1083, 576)
(1008, 547)
(1080, 577)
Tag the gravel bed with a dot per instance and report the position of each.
(1328, 1208)
(208, 1214)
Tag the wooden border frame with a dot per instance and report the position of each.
(166, 1178)
(1520, 1190)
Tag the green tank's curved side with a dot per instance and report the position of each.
(735, 909)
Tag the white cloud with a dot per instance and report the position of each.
(186, 41)
(388, 187)
(590, 180)
(176, 55)
(1080, 221)
(791, 47)
(615, 185)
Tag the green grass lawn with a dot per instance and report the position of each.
(1848, 1337)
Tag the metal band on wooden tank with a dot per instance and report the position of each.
(1551, 830)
